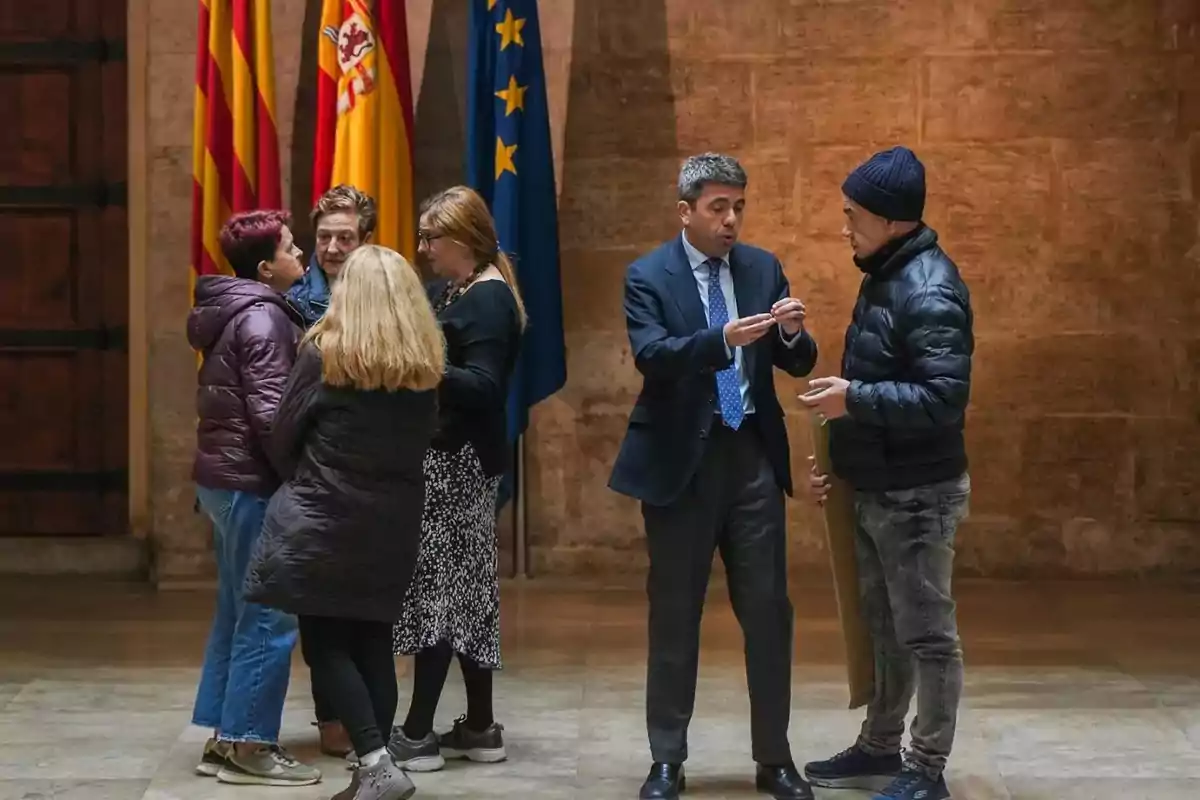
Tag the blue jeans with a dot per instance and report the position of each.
(248, 660)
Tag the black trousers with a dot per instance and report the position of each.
(354, 673)
(732, 505)
(321, 707)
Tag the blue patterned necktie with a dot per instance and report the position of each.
(729, 390)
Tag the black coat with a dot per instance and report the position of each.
(679, 355)
(908, 359)
(340, 537)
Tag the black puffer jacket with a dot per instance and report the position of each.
(340, 537)
(908, 359)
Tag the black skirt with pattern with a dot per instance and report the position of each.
(455, 592)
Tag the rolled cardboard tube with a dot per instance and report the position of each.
(838, 511)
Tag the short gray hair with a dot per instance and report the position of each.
(709, 168)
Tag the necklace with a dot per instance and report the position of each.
(453, 290)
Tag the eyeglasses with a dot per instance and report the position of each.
(427, 237)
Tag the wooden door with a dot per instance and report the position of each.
(64, 269)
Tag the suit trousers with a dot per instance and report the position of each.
(734, 505)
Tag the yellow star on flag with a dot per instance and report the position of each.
(510, 30)
(504, 158)
(491, 4)
(513, 96)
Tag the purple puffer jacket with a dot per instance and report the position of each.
(248, 335)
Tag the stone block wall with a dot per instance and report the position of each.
(1062, 141)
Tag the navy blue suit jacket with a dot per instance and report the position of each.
(679, 356)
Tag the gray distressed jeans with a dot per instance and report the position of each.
(905, 545)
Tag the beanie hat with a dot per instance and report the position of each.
(890, 184)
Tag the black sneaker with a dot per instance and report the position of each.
(486, 747)
(912, 784)
(854, 769)
(412, 755)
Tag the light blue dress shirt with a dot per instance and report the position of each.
(699, 264)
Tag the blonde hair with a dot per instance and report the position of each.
(379, 331)
(460, 213)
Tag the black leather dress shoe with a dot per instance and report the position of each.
(782, 783)
(664, 782)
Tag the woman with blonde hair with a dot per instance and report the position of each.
(351, 435)
(454, 603)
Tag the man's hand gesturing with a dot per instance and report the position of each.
(744, 331)
(789, 313)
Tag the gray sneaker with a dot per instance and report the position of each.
(416, 756)
(213, 759)
(486, 747)
(269, 765)
(384, 781)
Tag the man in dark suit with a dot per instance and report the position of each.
(706, 453)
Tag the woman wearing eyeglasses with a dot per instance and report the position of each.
(453, 608)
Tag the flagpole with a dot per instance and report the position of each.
(520, 557)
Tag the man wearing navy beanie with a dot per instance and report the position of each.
(896, 418)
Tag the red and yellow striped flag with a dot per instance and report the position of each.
(235, 160)
(364, 112)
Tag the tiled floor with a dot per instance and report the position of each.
(1073, 691)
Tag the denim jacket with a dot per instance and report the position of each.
(310, 295)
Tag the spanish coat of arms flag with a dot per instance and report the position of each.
(364, 112)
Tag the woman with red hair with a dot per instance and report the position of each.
(248, 334)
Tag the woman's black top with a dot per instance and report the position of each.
(483, 334)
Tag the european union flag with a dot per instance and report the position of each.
(510, 162)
